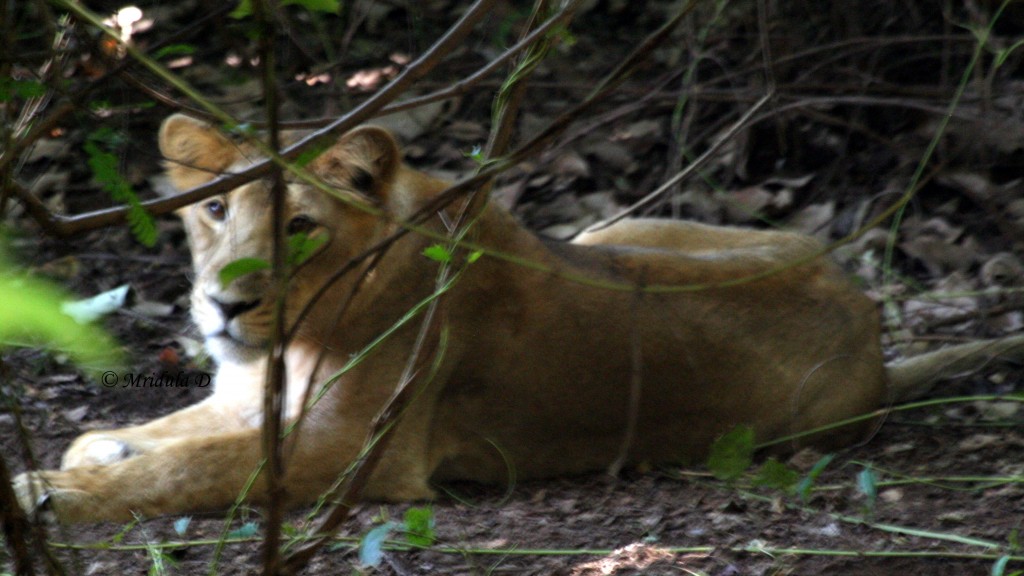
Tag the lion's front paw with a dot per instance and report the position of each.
(45, 495)
(96, 449)
(32, 495)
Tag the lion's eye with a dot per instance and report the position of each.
(216, 210)
(300, 225)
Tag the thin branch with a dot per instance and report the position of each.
(15, 525)
(378, 251)
(454, 37)
(741, 124)
(275, 385)
(359, 474)
(559, 125)
(39, 540)
(374, 253)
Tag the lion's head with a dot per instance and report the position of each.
(236, 318)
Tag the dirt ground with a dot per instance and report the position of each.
(950, 499)
(948, 495)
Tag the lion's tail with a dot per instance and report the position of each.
(913, 377)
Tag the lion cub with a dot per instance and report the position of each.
(591, 352)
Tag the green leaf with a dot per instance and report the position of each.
(181, 525)
(474, 256)
(107, 137)
(732, 454)
(419, 526)
(31, 316)
(371, 549)
(125, 529)
(328, 6)
(999, 568)
(243, 129)
(302, 246)
(476, 155)
(867, 482)
(805, 485)
(243, 10)
(564, 35)
(1002, 55)
(104, 166)
(438, 253)
(246, 530)
(312, 153)
(239, 268)
(25, 89)
(174, 50)
(775, 474)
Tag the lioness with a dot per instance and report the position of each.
(593, 353)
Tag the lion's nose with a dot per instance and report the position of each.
(232, 309)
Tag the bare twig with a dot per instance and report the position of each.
(11, 514)
(505, 108)
(377, 441)
(10, 133)
(741, 123)
(15, 525)
(377, 251)
(429, 328)
(275, 386)
(66, 226)
(607, 85)
(382, 424)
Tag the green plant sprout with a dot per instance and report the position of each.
(244, 9)
(32, 316)
(104, 166)
(418, 526)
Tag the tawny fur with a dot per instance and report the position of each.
(536, 374)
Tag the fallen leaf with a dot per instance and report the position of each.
(814, 220)
(747, 204)
(955, 517)
(978, 441)
(600, 204)
(892, 495)
(89, 309)
(571, 164)
(997, 411)
(642, 130)
(410, 124)
(1002, 270)
(76, 414)
(830, 530)
(153, 309)
(561, 231)
(46, 149)
(948, 305)
(612, 154)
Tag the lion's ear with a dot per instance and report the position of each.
(195, 151)
(364, 160)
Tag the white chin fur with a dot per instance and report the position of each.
(228, 351)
